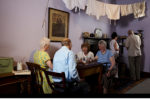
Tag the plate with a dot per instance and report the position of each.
(98, 33)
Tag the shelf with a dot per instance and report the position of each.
(96, 38)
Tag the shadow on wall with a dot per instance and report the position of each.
(52, 51)
(143, 53)
(125, 20)
(113, 26)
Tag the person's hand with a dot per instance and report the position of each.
(109, 69)
(90, 60)
(80, 60)
(95, 60)
(108, 74)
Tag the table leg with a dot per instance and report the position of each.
(29, 85)
(21, 87)
(100, 87)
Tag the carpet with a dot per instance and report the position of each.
(142, 88)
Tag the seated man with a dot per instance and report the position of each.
(64, 61)
(106, 56)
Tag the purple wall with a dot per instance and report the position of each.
(21, 26)
(79, 22)
(129, 22)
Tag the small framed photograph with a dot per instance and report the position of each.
(58, 25)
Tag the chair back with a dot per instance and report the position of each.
(37, 71)
(56, 87)
(62, 84)
(36, 74)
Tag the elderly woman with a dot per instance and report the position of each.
(105, 56)
(85, 55)
(42, 58)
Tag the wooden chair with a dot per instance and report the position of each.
(56, 87)
(37, 85)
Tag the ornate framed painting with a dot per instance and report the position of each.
(58, 25)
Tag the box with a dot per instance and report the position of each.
(6, 65)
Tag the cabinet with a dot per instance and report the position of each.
(93, 42)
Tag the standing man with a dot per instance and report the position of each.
(133, 44)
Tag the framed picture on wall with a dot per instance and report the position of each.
(58, 25)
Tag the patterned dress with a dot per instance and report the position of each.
(40, 57)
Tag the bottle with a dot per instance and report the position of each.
(19, 66)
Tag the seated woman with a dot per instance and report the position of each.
(85, 55)
(106, 56)
(42, 58)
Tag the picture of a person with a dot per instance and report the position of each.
(58, 25)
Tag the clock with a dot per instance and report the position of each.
(98, 33)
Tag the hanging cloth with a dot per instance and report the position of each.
(126, 10)
(113, 11)
(139, 9)
(95, 8)
(100, 9)
(71, 4)
(81, 4)
(91, 8)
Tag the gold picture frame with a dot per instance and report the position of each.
(58, 25)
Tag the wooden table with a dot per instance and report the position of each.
(15, 84)
(85, 70)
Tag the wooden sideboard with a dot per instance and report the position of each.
(14, 84)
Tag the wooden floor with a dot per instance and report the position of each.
(122, 86)
(124, 89)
